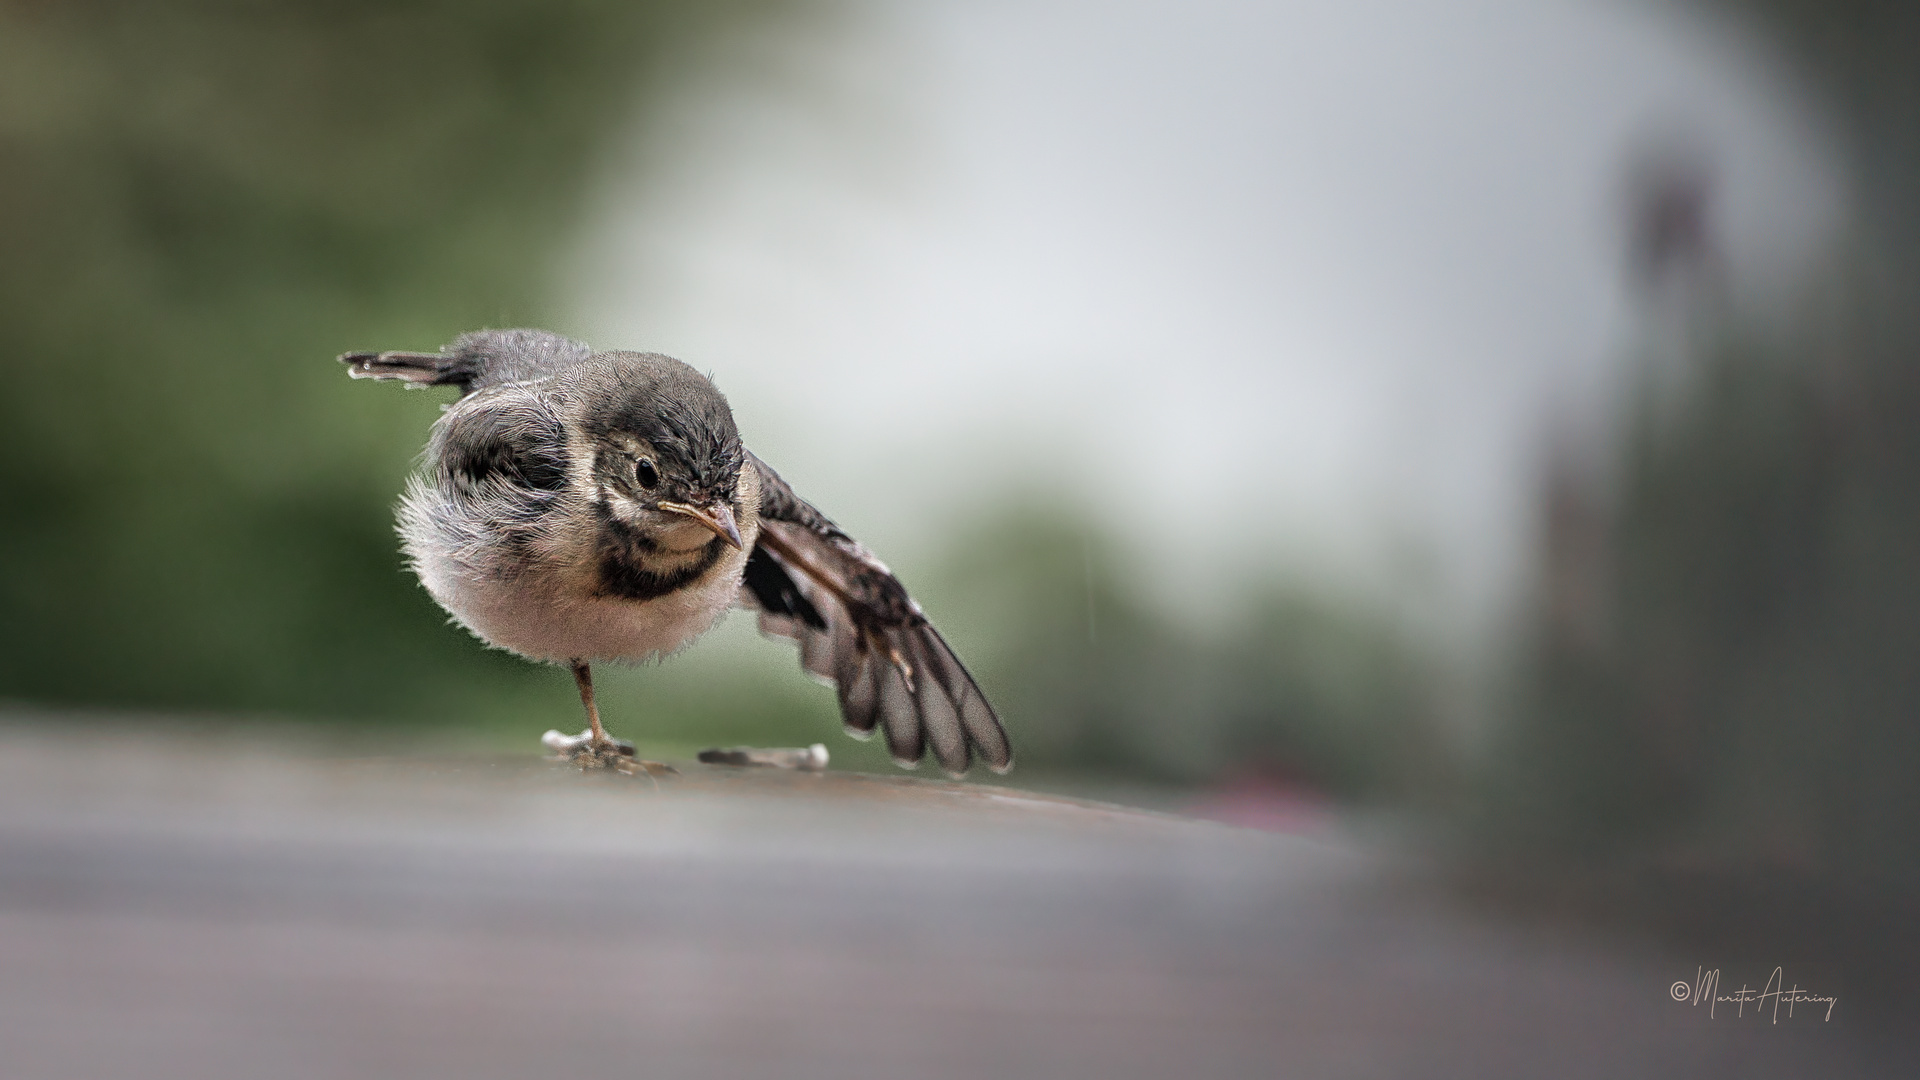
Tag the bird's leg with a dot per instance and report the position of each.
(583, 678)
(594, 748)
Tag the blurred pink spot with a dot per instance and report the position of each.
(1257, 800)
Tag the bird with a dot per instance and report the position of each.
(578, 507)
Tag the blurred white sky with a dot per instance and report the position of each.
(1289, 285)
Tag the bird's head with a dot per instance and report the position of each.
(666, 456)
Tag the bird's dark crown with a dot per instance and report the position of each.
(657, 410)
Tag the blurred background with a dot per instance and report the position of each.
(1500, 416)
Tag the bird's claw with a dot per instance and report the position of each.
(606, 753)
(572, 746)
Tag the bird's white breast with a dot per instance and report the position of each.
(550, 605)
(553, 614)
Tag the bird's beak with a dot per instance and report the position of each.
(718, 517)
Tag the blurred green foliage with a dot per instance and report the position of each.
(200, 204)
(1287, 685)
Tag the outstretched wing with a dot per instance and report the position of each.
(858, 629)
(474, 361)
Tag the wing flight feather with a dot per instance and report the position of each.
(858, 629)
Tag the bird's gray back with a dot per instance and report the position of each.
(486, 358)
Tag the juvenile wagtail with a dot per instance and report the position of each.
(575, 506)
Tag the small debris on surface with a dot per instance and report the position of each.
(808, 759)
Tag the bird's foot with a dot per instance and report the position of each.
(606, 753)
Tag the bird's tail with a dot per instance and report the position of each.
(417, 368)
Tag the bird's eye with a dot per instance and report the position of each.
(644, 472)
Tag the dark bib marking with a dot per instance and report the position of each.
(622, 575)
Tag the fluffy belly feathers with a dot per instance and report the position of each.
(554, 616)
